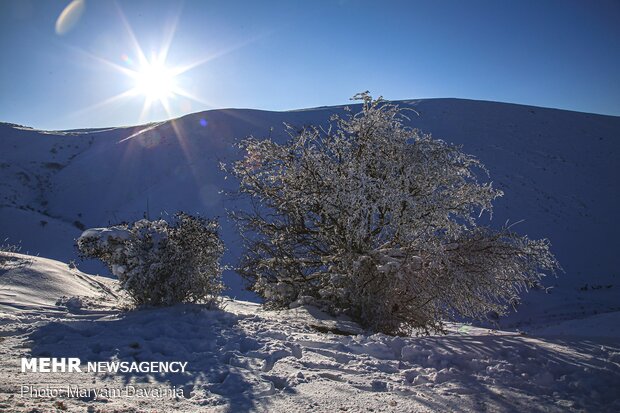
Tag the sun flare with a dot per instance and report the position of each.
(153, 79)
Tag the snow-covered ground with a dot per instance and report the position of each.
(243, 358)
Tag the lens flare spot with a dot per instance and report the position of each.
(69, 16)
(127, 60)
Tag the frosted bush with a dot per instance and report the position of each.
(159, 263)
(378, 221)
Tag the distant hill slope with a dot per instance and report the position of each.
(559, 170)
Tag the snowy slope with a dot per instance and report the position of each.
(559, 170)
(243, 358)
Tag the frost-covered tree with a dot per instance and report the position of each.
(378, 221)
(160, 263)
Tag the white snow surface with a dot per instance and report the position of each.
(104, 234)
(244, 358)
(36, 283)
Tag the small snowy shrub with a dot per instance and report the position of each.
(11, 248)
(159, 263)
(378, 221)
(8, 259)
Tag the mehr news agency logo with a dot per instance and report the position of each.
(74, 365)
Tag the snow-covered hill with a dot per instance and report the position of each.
(243, 358)
(559, 170)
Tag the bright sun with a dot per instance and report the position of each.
(155, 81)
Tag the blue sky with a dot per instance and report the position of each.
(281, 55)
